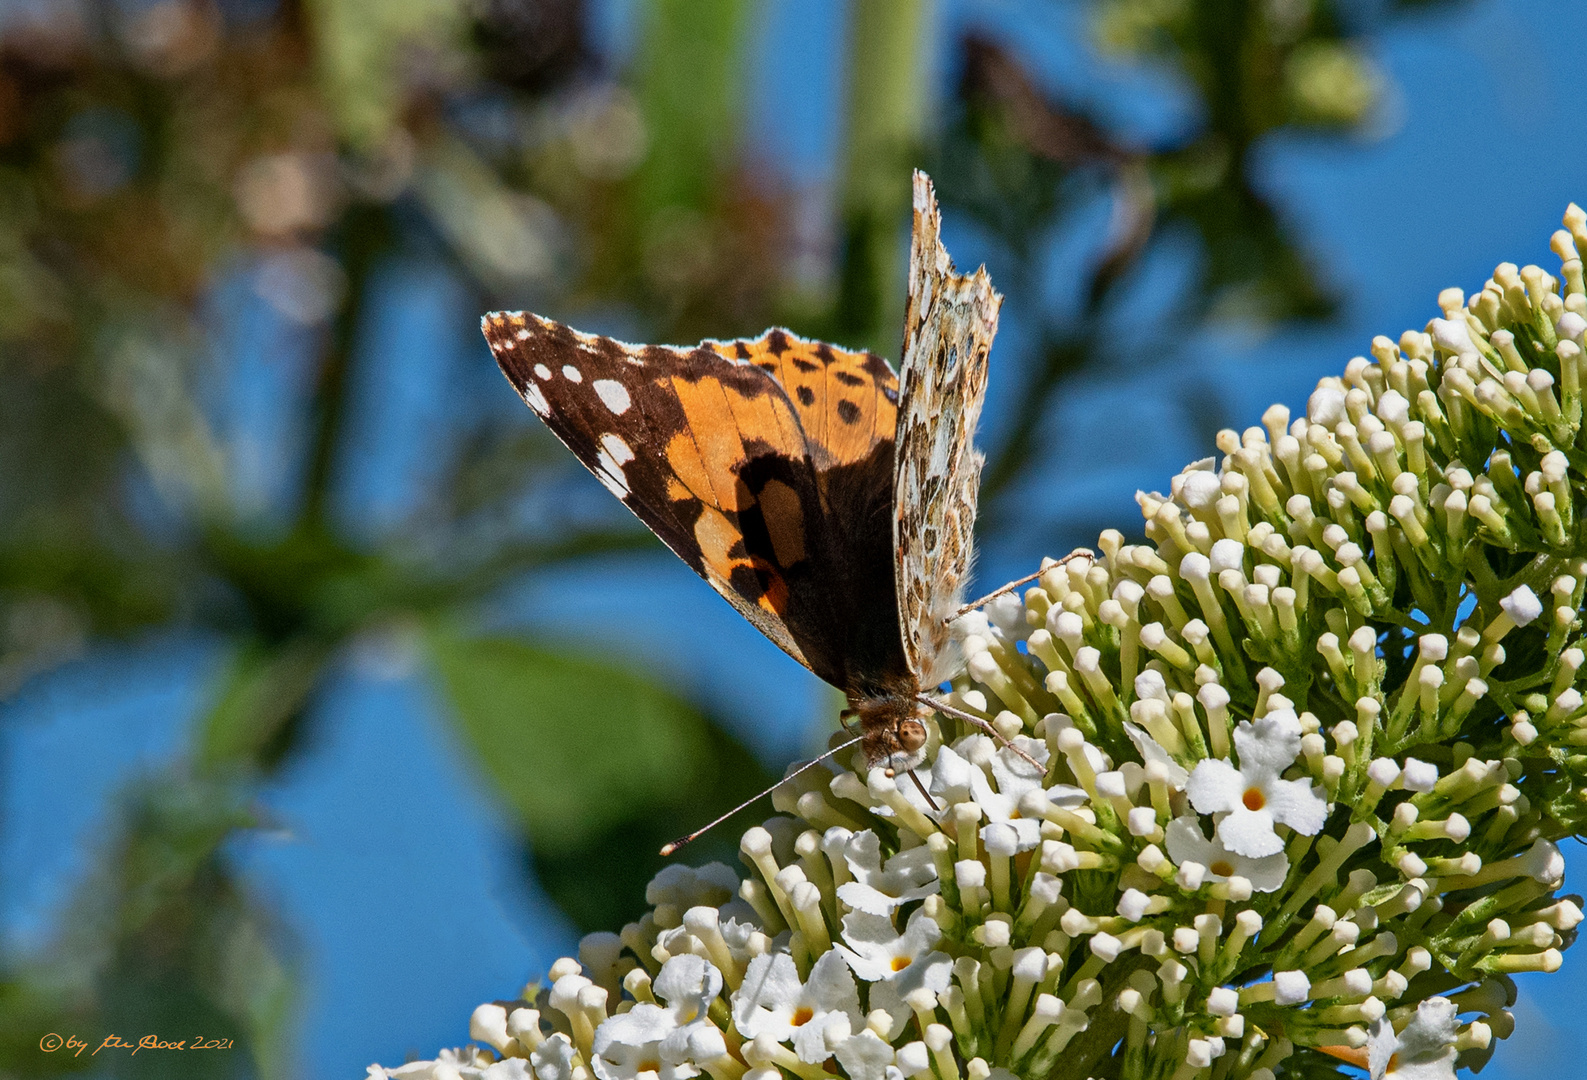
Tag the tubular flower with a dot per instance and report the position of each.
(1187, 844)
(774, 1002)
(1253, 796)
(1424, 1050)
(1302, 757)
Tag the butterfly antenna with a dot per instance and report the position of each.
(696, 834)
(942, 706)
(1011, 586)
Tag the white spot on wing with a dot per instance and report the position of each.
(613, 394)
(542, 372)
(523, 335)
(536, 400)
(619, 450)
(571, 373)
(613, 484)
(610, 473)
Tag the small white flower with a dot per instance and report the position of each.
(1326, 406)
(1522, 606)
(1151, 750)
(1186, 843)
(772, 1001)
(666, 1040)
(1253, 795)
(1425, 1050)
(1545, 864)
(468, 1063)
(688, 984)
(553, 1058)
(1200, 489)
(684, 887)
(906, 962)
(644, 1039)
(865, 1056)
(1454, 336)
(954, 774)
(908, 875)
(1007, 613)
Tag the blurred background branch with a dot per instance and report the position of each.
(224, 419)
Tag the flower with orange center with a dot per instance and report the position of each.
(1423, 1050)
(1253, 797)
(961, 771)
(772, 1001)
(1186, 843)
(879, 953)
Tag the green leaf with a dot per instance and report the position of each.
(263, 696)
(573, 745)
(601, 766)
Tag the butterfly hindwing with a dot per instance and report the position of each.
(713, 451)
(948, 330)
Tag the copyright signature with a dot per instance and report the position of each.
(73, 1045)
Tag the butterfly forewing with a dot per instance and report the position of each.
(948, 330)
(766, 465)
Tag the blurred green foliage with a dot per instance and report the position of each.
(152, 152)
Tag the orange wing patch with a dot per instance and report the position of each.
(846, 401)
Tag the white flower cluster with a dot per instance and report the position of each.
(1301, 758)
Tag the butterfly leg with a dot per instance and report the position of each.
(1011, 586)
(944, 707)
(843, 719)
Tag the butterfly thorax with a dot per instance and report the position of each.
(893, 733)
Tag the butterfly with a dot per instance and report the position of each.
(829, 500)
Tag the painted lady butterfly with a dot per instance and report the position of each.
(831, 503)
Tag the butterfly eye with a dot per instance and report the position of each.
(911, 735)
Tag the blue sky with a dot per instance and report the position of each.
(391, 862)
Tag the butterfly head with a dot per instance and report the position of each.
(894, 730)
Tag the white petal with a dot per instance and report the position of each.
(865, 1056)
(1297, 804)
(1215, 786)
(1015, 775)
(644, 1023)
(765, 1001)
(909, 870)
(1440, 1068)
(863, 853)
(1151, 750)
(810, 1039)
(831, 988)
(689, 984)
(885, 996)
(1431, 1031)
(1250, 833)
(921, 935)
(1381, 1045)
(1067, 796)
(866, 898)
(1266, 874)
(871, 969)
(929, 972)
(1267, 746)
(1186, 843)
(950, 775)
